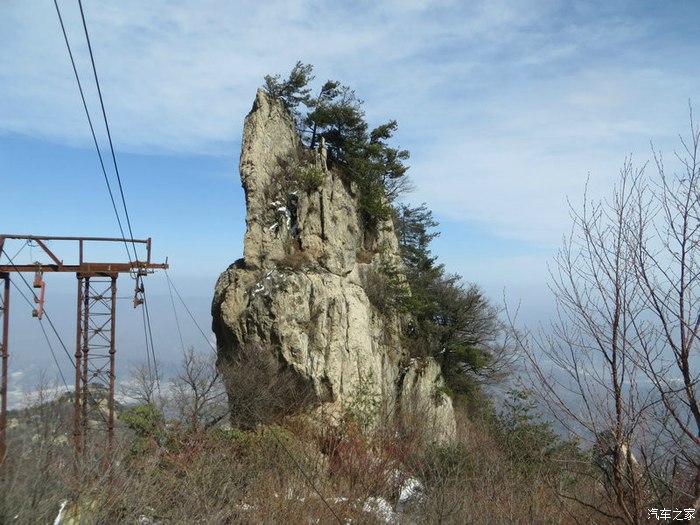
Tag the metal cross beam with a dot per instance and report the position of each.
(54, 264)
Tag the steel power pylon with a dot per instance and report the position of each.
(95, 347)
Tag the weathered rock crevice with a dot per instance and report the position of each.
(300, 292)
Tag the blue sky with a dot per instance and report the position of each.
(506, 106)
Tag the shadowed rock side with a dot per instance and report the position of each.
(300, 297)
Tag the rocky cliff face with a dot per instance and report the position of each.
(306, 296)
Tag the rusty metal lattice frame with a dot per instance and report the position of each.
(95, 326)
(5, 314)
(95, 356)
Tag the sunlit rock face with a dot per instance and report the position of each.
(305, 297)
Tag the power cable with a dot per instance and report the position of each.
(19, 290)
(147, 323)
(92, 131)
(20, 250)
(213, 347)
(121, 192)
(306, 476)
(53, 354)
(150, 338)
(109, 134)
(65, 350)
(48, 318)
(148, 353)
(177, 321)
(48, 341)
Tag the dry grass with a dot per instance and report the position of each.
(296, 473)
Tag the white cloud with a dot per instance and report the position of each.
(181, 78)
(506, 106)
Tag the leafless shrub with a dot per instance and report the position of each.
(143, 385)
(197, 390)
(621, 359)
(260, 389)
(33, 474)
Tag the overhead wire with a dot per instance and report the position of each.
(150, 338)
(150, 353)
(92, 129)
(24, 245)
(46, 314)
(213, 347)
(53, 328)
(149, 367)
(147, 323)
(46, 337)
(177, 321)
(31, 305)
(109, 134)
(48, 342)
(305, 475)
(53, 354)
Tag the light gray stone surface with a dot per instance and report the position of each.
(300, 290)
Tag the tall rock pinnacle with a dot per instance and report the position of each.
(300, 315)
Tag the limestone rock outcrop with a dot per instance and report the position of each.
(307, 290)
